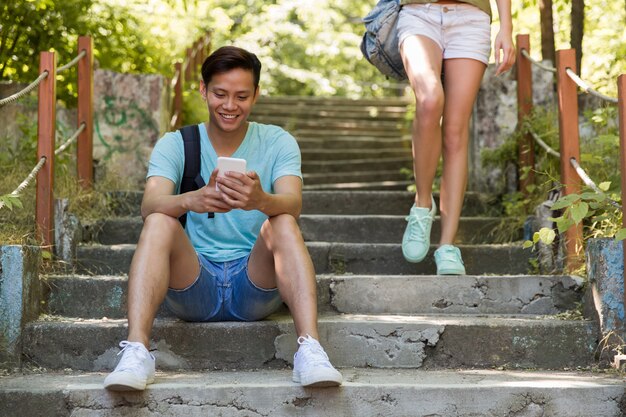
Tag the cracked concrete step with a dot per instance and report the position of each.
(127, 203)
(364, 142)
(373, 341)
(93, 297)
(363, 164)
(325, 228)
(355, 258)
(365, 392)
(347, 154)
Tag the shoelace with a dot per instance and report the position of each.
(315, 350)
(450, 254)
(132, 360)
(416, 225)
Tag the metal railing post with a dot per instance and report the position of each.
(84, 146)
(526, 151)
(570, 147)
(621, 93)
(46, 128)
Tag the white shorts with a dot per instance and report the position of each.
(460, 30)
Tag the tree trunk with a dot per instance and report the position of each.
(578, 26)
(547, 30)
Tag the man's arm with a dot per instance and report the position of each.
(159, 197)
(244, 191)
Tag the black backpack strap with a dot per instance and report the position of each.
(192, 180)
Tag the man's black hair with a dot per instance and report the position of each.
(228, 58)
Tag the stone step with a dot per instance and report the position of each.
(345, 134)
(95, 297)
(354, 258)
(263, 114)
(325, 228)
(127, 203)
(355, 142)
(373, 341)
(308, 101)
(347, 154)
(360, 186)
(369, 125)
(365, 392)
(337, 179)
(352, 165)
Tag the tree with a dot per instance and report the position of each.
(547, 30)
(577, 31)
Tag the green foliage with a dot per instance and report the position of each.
(604, 42)
(9, 201)
(122, 39)
(517, 206)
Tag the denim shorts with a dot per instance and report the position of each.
(223, 292)
(460, 30)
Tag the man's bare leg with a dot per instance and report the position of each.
(280, 260)
(164, 258)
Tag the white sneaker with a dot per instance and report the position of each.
(311, 366)
(134, 371)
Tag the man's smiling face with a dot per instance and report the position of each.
(230, 96)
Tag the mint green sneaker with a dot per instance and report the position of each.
(449, 261)
(416, 239)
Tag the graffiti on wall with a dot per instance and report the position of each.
(121, 126)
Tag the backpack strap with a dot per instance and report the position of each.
(192, 180)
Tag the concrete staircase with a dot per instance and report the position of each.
(345, 145)
(409, 343)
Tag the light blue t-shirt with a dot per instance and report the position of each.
(269, 151)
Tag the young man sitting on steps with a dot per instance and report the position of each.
(239, 261)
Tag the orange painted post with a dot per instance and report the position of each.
(84, 146)
(178, 96)
(46, 127)
(570, 146)
(526, 153)
(621, 91)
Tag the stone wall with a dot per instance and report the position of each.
(495, 118)
(131, 112)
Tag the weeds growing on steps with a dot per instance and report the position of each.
(17, 157)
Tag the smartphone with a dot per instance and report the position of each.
(225, 164)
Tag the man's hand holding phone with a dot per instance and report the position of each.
(240, 189)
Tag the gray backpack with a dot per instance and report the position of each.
(380, 41)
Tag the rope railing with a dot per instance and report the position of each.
(579, 170)
(544, 145)
(42, 160)
(26, 90)
(27, 180)
(579, 81)
(589, 182)
(587, 88)
(71, 139)
(537, 63)
(73, 62)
